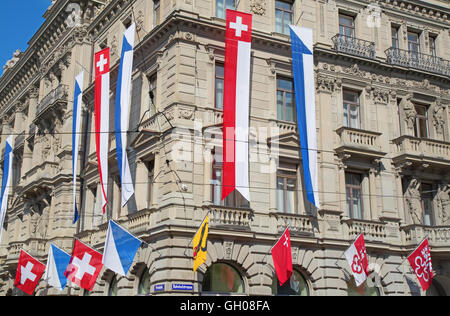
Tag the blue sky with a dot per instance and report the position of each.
(19, 20)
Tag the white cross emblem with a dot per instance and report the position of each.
(286, 241)
(83, 266)
(238, 26)
(102, 62)
(26, 274)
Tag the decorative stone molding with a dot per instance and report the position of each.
(258, 7)
(439, 116)
(409, 111)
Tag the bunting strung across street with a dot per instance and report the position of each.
(29, 273)
(78, 96)
(102, 119)
(6, 181)
(200, 244)
(120, 249)
(282, 258)
(123, 100)
(356, 256)
(303, 69)
(57, 262)
(420, 261)
(236, 100)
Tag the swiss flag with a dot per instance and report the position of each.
(356, 257)
(85, 266)
(282, 257)
(29, 273)
(420, 261)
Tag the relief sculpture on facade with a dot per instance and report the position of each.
(413, 204)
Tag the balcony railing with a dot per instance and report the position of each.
(418, 60)
(409, 145)
(357, 141)
(437, 235)
(226, 217)
(58, 94)
(354, 46)
(298, 224)
(373, 231)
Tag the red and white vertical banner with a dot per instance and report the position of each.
(420, 261)
(356, 257)
(102, 119)
(282, 258)
(236, 106)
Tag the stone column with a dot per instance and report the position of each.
(156, 180)
(141, 190)
(373, 195)
(33, 95)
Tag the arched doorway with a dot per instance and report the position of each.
(222, 279)
(297, 286)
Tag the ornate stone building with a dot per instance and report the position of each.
(383, 98)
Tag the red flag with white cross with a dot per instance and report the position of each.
(282, 258)
(420, 261)
(29, 273)
(85, 266)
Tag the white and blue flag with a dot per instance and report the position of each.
(303, 69)
(76, 127)
(57, 262)
(6, 181)
(120, 249)
(122, 108)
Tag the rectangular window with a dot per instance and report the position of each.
(353, 185)
(150, 165)
(283, 16)
(287, 188)
(395, 42)
(352, 111)
(156, 12)
(235, 199)
(427, 203)
(346, 25)
(222, 6)
(285, 100)
(219, 86)
(421, 126)
(413, 44)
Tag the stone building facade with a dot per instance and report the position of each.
(383, 98)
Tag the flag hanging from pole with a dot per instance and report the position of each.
(236, 100)
(102, 119)
(282, 258)
(200, 242)
(57, 262)
(29, 273)
(356, 256)
(303, 69)
(123, 99)
(120, 249)
(6, 181)
(420, 261)
(76, 127)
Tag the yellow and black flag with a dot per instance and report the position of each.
(200, 244)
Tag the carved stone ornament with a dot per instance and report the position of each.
(409, 110)
(443, 203)
(413, 201)
(439, 116)
(258, 7)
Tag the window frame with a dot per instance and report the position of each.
(353, 187)
(284, 12)
(284, 92)
(427, 195)
(421, 118)
(156, 12)
(394, 36)
(347, 122)
(288, 173)
(413, 44)
(346, 27)
(216, 78)
(223, 15)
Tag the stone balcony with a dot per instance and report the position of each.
(420, 152)
(300, 225)
(373, 231)
(359, 142)
(354, 46)
(415, 60)
(230, 218)
(35, 247)
(51, 107)
(438, 236)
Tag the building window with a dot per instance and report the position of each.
(219, 85)
(395, 42)
(287, 188)
(285, 100)
(426, 193)
(222, 6)
(222, 278)
(144, 283)
(421, 125)
(346, 25)
(352, 117)
(156, 12)
(150, 165)
(297, 286)
(433, 49)
(283, 16)
(235, 199)
(353, 186)
(413, 43)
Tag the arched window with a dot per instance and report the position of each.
(222, 278)
(363, 290)
(144, 283)
(436, 289)
(296, 286)
(112, 290)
